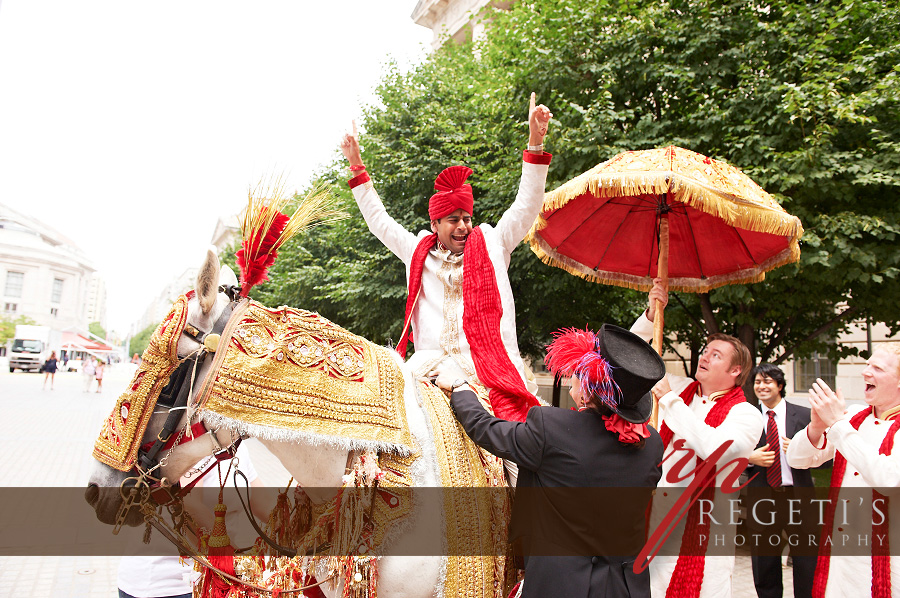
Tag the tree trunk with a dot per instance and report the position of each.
(696, 347)
(709, 317)
(747, 335)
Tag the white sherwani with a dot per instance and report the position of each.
(437, 323)
(866, 468)
(743, 425)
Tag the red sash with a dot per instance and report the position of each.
(687, 578)
(482, 311)
(881, 554)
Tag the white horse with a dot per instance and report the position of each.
(317, 467)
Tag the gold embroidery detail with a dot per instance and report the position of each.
(121, 434)
(716, 395)
(472, 527)
(295, 370)
(451, 275)
(890, 413)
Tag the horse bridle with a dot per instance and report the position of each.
(179, 386)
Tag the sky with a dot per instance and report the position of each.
(131, 127)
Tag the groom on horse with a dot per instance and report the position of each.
(460, 304)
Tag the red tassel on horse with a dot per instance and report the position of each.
(221, 556)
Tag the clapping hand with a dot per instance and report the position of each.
(827, 405)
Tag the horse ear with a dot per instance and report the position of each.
(227, 276)
(208, 282)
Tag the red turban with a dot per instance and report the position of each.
(452, 193)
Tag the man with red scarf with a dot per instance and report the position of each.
(861, 441)
(700, 415)
(460, 304)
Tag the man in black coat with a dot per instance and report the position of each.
(585, 477)
(773, 484)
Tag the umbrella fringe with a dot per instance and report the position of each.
(645, 283)
(729, 208)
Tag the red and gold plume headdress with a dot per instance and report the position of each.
(265, 228)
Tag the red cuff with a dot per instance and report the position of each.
(359, 180)
(536, 158)
(824, 439)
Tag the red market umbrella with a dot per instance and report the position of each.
(669, 212)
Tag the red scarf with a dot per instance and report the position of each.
(881, 557)
(482, 311)
(688, 575)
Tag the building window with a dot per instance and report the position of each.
(14, 282)
(807, 370)
(10, 308)
(54, 312)
(56, 295)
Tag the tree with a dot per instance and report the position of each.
(8, 327)
(138, 343)
(803, 97)
(97, 330)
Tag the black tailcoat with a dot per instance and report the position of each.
(581, 497)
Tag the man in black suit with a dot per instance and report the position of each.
(773, 483)
(585, 477)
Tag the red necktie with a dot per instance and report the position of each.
(773, 472)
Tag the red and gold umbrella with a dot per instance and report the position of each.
(697, 222)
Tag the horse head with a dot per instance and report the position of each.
(175, 369)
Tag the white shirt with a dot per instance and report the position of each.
(743, 426)
(787, 478)
(145, 576)
(866, 468)
(437, 318)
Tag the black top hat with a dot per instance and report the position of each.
(636, 368)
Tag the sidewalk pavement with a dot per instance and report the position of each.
(46, 438)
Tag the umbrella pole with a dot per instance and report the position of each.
(662, 271)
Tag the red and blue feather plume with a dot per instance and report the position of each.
(575, 352)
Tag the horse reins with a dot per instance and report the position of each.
(148, 455)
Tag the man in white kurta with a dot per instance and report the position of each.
(721, 370)
(437, 317)
(830, 431)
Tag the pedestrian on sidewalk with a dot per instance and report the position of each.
(50, 369)
(98, 374)
(87, 370)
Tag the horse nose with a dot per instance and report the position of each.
(92, 494)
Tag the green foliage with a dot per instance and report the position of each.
(139, 341)
(804, 97)
(96, 329)
(8, 327)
